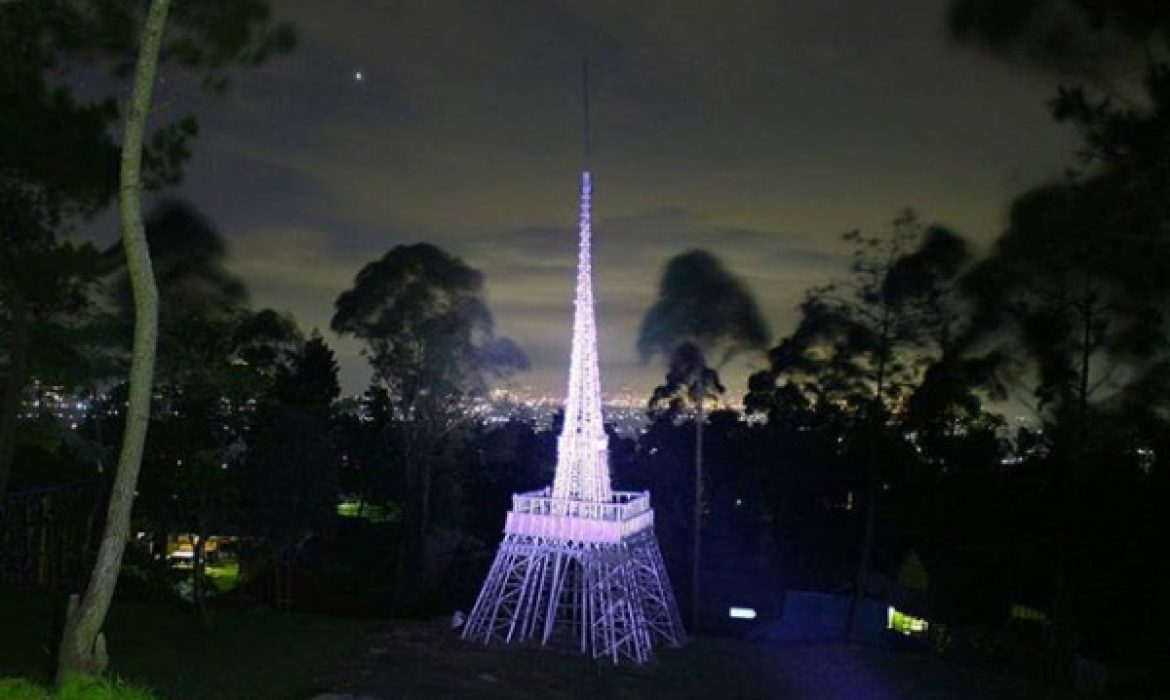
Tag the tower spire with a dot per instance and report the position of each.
(582, 449)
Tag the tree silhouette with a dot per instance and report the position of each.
(1106, 45)
(59, 164)
(45, 302)
(431, 341)
(1076, 286)
(687, 375)
(862, 345)
(701, 310)
(311, 382)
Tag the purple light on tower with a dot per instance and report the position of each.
(582, 449)
(579, 561)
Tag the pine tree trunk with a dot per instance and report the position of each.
(865, 555)
(86, 542)
(43, 542)
(98, 433)
(412, 551)
(872, 485)
(82, 650)
(697, 551)
(1068, 492)
(198, 566)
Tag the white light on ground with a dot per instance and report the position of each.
(741, 613)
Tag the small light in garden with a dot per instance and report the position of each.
(1023, 612)
(908, 625)
(741, 613)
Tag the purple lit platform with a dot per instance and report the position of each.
(538, 514)
(590, 570)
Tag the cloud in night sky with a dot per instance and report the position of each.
(758, 130)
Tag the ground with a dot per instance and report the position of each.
(414, 660)
(264, 655)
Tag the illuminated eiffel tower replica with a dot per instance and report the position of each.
(579, 560)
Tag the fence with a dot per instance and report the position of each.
(49, 533)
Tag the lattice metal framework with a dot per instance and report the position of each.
(579, 561)
(582, 450)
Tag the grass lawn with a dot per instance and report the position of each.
(76, 689)
(237, 654)
(225, 576)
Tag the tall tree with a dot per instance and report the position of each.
(83, 649)
(45, 293)
(59, 164)
(431, 341)
(290, 476)
(212, 35)
(863, 344)
(1076, 287)
(702, 310)
(1079, 280)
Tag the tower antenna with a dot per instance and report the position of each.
(585, 112)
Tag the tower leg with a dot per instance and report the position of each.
(662, 617)
(613, 600)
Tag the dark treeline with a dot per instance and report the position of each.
(879, 431)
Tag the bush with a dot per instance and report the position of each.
(101, 689)
(16, 689)
(144, 577)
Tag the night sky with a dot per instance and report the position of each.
(758, 130)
